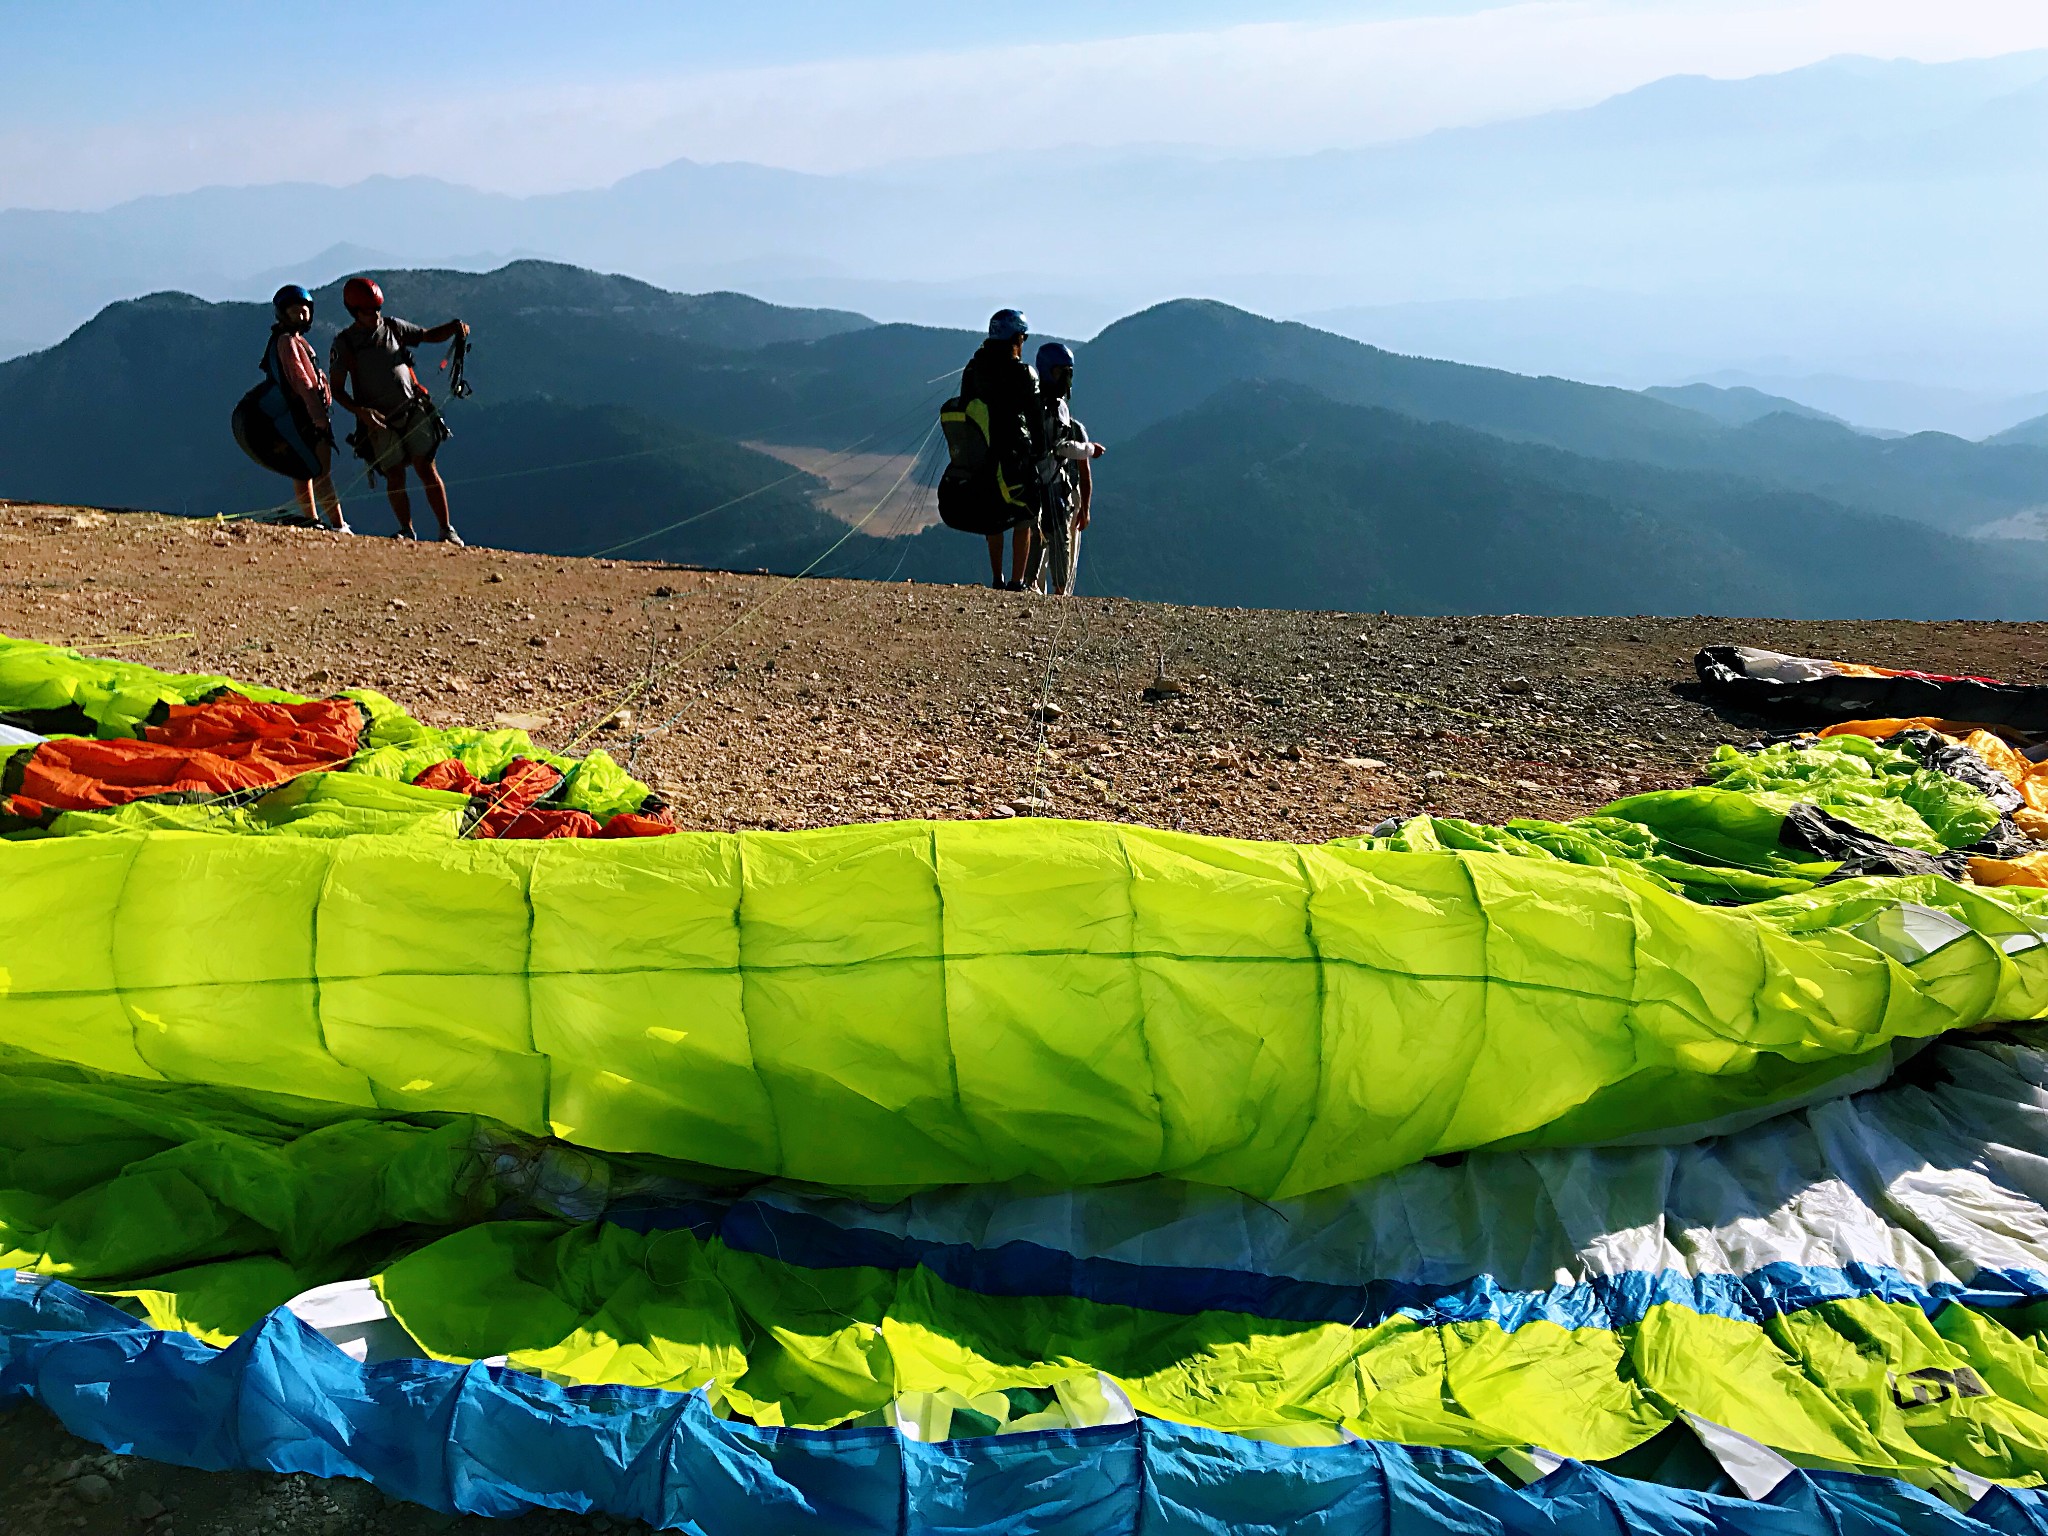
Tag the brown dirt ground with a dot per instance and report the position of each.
(756, 702)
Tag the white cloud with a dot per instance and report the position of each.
(1278, 86)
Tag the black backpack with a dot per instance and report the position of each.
(977, 493)
(267, 423)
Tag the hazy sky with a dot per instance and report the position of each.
(103, 101)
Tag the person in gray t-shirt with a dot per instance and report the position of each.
(398, 424)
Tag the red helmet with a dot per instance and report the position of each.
(361, 293)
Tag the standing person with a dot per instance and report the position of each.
(999, 378)
(1067, 471)
(305, 424)
(397, 423)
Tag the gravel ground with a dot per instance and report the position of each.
(754, 702)
(751, 701)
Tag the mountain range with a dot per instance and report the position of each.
(1857, 219)
(1254, 461)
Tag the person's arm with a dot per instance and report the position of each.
(442, 332)
(1085, 470)
(302, 375)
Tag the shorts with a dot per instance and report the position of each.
(411, 439)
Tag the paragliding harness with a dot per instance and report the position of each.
(459, 388)
(978, 493)
(271, 425)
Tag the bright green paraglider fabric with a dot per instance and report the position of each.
(323, 1035)
(914, 1004)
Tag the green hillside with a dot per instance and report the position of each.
(1270, 496)
(1169, 358)
(1255, 461)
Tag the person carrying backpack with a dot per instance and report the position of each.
(1066, 472)
(994, 431)
(397, 422)
(283, 423)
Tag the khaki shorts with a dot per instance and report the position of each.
(410, 439)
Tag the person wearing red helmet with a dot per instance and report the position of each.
(397, 423)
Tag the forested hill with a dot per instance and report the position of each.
(1253, 461)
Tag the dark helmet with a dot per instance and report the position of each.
(1055, 354)
(290, 296)
(1007, 325)
(361, 293)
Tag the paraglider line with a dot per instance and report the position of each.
(787, 585)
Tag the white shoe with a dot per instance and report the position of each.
(452, 537)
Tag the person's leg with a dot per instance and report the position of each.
(1072, 574)
(324, 494)
(303, 489)
(401, 504)
(1059, 554)
(1020, 552)
(995, 559)
(437, 497)
(1034, 567)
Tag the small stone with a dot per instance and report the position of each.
(147, 1506)
(92, 1488)
(1363, 764)
(1515, 685)
(1292, 752)
(1029, 805)
(622, 721)
(400, 604)
(664, 591)
(537, 640)
(1048, 712)
(494, 576)
(1000, 813)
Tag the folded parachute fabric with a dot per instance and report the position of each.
(1767, 682)
(1858, 1287)
(916, 1003)
(512, 807)
(377, 1118)
(231, 745)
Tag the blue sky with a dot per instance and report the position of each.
(177, 54)
(100, 100)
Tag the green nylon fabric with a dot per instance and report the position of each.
(118, 697)
(1880, 789)
(915, 1003)
(204, 1212)
(1710, 845)
(249, 1050)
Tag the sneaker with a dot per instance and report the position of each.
(450, 536)
(343, 528)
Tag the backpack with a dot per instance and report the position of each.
(977, 493)
(266, 424)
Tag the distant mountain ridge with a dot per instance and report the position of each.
(1735, 406)
(1871, 220)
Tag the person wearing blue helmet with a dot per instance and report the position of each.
(998, 377)
(292, 367)
(1066, 473)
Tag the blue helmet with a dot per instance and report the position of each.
(289, 295)
(1055, 354)
(1007, 325)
